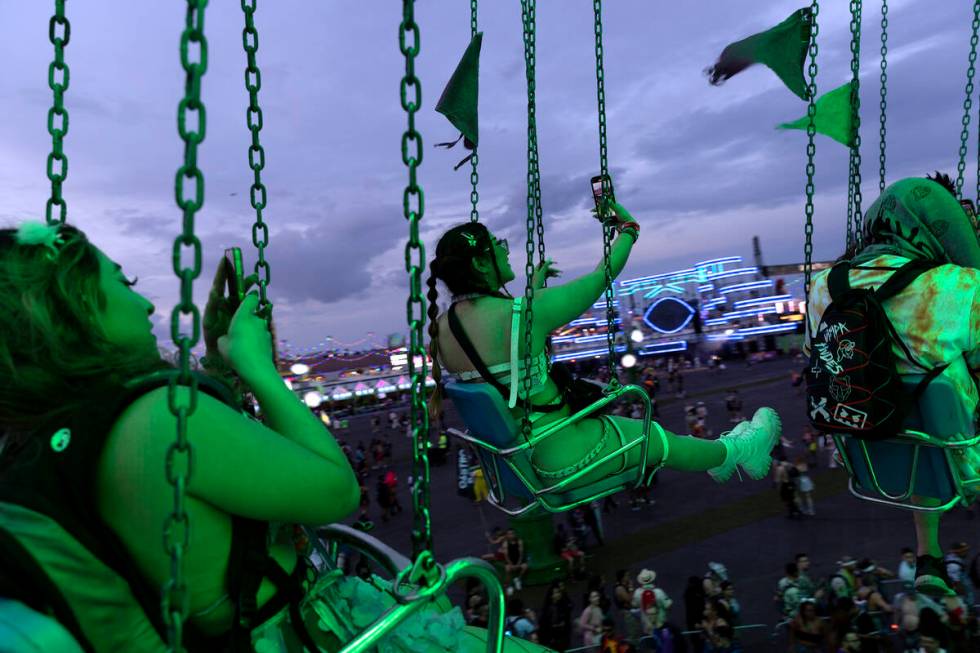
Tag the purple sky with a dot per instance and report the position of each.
(702, 168)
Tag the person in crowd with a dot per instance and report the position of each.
(515, 562)
(805, 487)
(520, 621)
(567, 547)
(610, 642)
(958, 573)
(921, 219)
(869, 597)
(806, 584)
(733, 403)
(496, 539)
(788, 594)
(555, 627)
(716, 574)
(651, 602)
(807, 632)
(729, 600)
(364, 522)
(480, 488)
(623, 601)
(475, 267)
(811, 446)
(590, 621)
(851, 643)
(786, 478)
(476, 601)
(906, 566)
(694, 599)
(717, 631)
(597, 583)
(74, 326)
(845, 583)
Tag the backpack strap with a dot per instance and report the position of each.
(456, 327)
(837, 281)
(903, 277)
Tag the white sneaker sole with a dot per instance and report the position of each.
(767, 421)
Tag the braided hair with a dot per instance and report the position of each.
(453, 265)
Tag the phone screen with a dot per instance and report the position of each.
(236, 275)
(597, 193)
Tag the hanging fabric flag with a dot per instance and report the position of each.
(833, 116)
(459, 99)
(783, 49)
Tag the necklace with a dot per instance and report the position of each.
(468, 296)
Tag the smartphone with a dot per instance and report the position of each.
(597, 194)
(236, 275)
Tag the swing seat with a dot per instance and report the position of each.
(506, 459)
(330, 539)
(921, 460)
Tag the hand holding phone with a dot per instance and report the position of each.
(603, 200)
(235, 276)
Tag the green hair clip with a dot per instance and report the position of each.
(470, 238)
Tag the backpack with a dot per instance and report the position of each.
(648, 601)
(852, 383)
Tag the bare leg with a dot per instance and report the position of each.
(927, 528)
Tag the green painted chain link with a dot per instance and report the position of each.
(855, 171)
(607, 230)
(256, 154)
(811, 149)
(182, 391)
(533, 200)
(59, 33)
(968, 102)
(413, 204)
(475, 161)
(883, 104)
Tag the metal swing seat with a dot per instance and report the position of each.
(922, 460)
(505, 456)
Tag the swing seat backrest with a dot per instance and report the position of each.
(488, 419)
(100, 600)
(940, 413)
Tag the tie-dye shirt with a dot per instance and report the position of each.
(937, 316)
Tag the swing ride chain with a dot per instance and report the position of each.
(607, 229)
(58, 112)
(475, 160)
(811, 148)
(533, 202)
(183, 403)
(968, 102)
(855, 175)
(413, 205)
(883, 104)
(256, 155)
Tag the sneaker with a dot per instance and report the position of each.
(749, 446)
(931, 578)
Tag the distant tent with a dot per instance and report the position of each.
(340, 392)
(384, 385)
(403, 383)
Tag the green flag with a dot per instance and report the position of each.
(782, 48)
(833, 116)
(458, 101)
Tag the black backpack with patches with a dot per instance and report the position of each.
(852, 383)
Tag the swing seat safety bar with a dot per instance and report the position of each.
(492, 431)
(924, 460)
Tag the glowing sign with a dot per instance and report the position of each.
(762, 300)
(676, 317)
(747, 286)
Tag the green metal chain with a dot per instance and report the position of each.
(533, 200)
(855, 175)
(256, 155)
(413, 205)
(968, 102)
(811, 149)
(883, 103)
(607, 230)
(59, 33)
(182, 391)
(475, 161)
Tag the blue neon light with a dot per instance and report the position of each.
(719, 261)
(769, 328)
(746, 286)
(724, 274)
(690, 315)
(591, 353)
(762, 300)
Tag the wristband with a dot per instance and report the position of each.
(629, 224)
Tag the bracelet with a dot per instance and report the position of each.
(630, 224)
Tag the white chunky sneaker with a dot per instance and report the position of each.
(749, 445)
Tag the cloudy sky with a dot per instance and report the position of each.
(701, 167)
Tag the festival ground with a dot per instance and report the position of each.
(694, 520)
